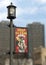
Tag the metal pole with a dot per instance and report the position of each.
(11, 42)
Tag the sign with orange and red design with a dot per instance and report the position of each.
(21, 40)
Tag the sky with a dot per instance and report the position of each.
(27, 12)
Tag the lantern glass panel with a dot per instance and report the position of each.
(12, 11)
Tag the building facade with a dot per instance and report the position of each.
(35, 36)
(5, 41)
(35, 39)
(20, 59)
(40, 56)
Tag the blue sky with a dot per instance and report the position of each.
(28, 11)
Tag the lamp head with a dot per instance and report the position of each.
(11, 11)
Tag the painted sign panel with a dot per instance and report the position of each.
(21, 40)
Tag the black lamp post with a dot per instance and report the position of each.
(11, 16)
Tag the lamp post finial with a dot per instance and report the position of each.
(11, 3)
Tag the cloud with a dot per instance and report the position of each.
(30, 10)
(3, 8)
(4, 3)
(3, 16)
(40, 1)
(20, 11)
(43, 9)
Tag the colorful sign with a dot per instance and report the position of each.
(21, 40)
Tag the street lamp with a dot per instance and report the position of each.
(11, 11)
(11, 16)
